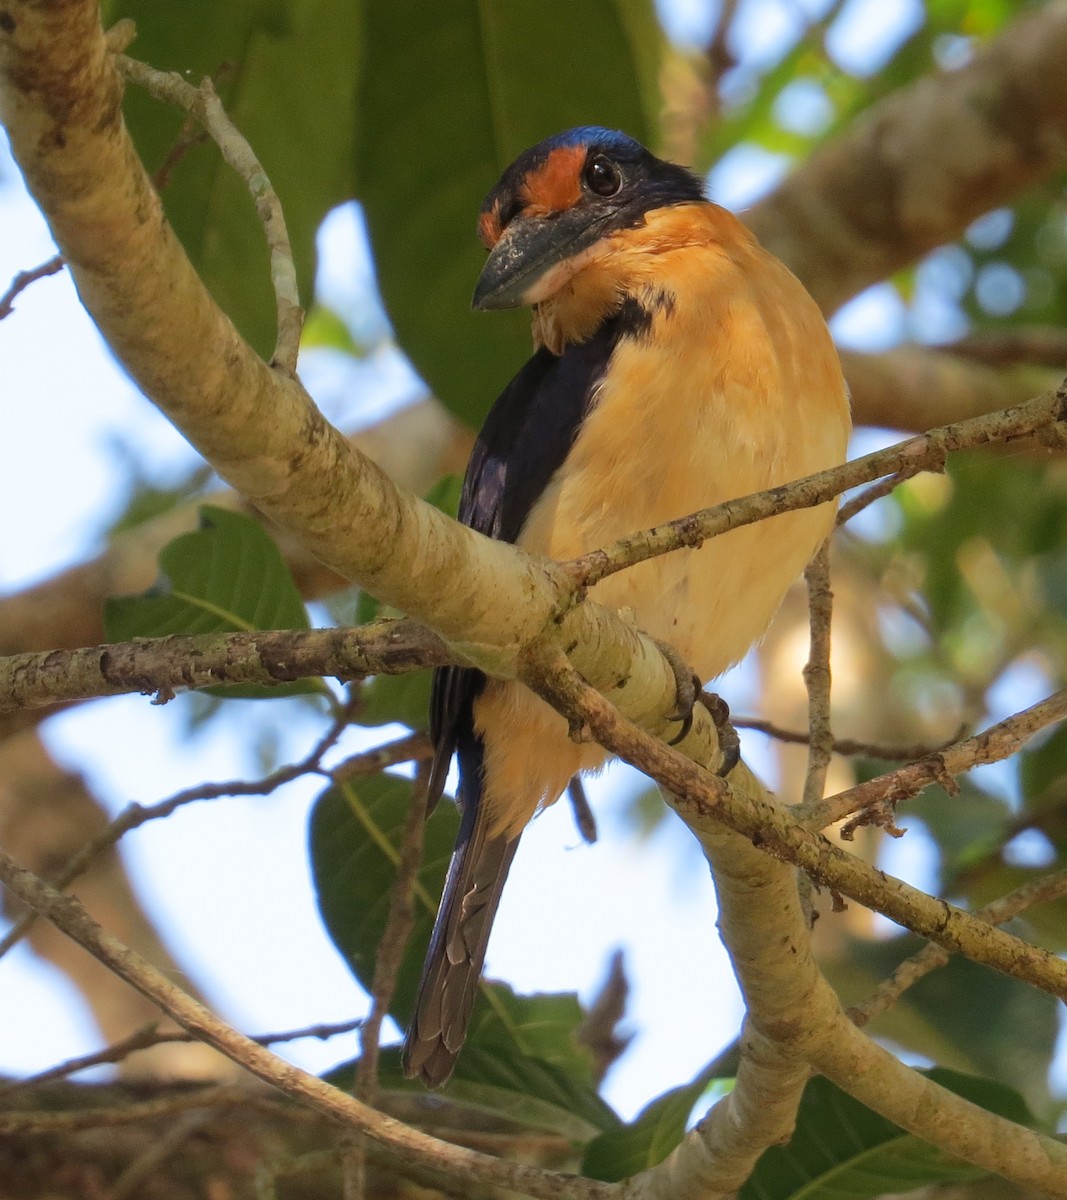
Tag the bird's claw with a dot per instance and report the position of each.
(687, 691)
(729, 742)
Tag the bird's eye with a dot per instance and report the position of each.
(602, 176)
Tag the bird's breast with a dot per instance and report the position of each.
(717, 396)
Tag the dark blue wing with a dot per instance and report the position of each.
(524, 441)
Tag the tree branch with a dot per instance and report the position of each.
(920, 165)
(997, 742)
(774, 969)
(916, 387)
(59, 97)
(203, 103)
(929, 958)
(817, 672)
(166, 665)
(776, 831)
(926, 452)
(406, 1145)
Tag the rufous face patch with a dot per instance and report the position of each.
(556, 186)
(489, 227)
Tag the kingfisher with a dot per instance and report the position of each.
(677, 364)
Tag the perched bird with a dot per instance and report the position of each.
(677, 364)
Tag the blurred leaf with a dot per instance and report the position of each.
(226, 577)
(650, 1137)
(1028, 518)
(326, 329)
(404, 698)
(521, 1052)
(938, 1016)
(286, 72)
(841, 1150)
(1043, 771)
(532, 1093)
(149, 492)
(1045, 924)
(445, 494)
(449, 95)
(967, 827)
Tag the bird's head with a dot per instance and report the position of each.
(559, 201)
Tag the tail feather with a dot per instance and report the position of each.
(454, 960)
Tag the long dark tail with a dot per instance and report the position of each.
(453, 965)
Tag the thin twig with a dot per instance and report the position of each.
(778, 831)
(151, 1035)
(877, 491)
(224, 1095)
(817, 673)
(847, 747)
(394, 940)
(926, 452)
(135, 815)
(203, 103)
(412, 747)
(997, 742)
(930, 957)
(23, 280)
(167, 665)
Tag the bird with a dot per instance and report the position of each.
(677, 364)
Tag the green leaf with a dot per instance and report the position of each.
(449, 95)
(286, 72)
(326, 329)
(841, 1149)
(521, 1051)
(1043, 772)
(402, 698)
(650, 1137)
(355, 836)
(532, 1093)
(968, 826)
(227, 576)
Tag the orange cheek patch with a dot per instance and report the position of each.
(489, 227)
(557, 185)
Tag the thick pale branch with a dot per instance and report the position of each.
(165, 665)
(420, 443)
(414, 446)
(871, 1074)
(920, 165)
(60, 100)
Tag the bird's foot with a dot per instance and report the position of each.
(729, 742)
(686, 689)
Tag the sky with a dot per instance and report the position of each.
(228, 882)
